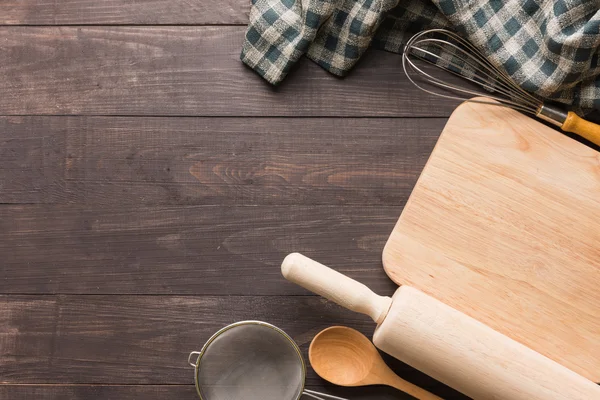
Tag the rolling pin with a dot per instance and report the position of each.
(444, 343)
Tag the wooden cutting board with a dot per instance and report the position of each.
(504, 225)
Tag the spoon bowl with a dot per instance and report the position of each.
(346, 357)
(353, 353)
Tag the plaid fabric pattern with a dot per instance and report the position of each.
(280, 32)
(347, 33)
(548, 47)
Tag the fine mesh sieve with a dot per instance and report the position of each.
(251, 360)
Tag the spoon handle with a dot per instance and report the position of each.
(421, 394)
(334, 286)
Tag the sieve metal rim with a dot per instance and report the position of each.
(218, 333)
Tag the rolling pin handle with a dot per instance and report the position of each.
(334, 286)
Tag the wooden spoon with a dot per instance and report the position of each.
(345, 357)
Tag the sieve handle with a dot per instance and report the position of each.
(192, 354)
(334, 286)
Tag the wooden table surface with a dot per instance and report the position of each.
(150, 186)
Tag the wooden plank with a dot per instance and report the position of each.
(98, 392)
(31, 160)
(178, 392)
(164, 161)
(138, 340)
(124, 12)
(185, 250)
(178, 70)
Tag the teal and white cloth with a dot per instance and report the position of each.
(548, 47)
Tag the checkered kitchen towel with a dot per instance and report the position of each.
(549, 47)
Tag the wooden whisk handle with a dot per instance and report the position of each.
(579, 126)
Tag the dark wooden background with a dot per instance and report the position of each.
(150, 186)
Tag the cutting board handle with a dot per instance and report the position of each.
(334, 286)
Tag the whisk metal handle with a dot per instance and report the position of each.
(554, 115)
(579, 126)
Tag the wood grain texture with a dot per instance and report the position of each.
(171, 161)
(124, 12)
(176, 70)
(156, 231)
(184, 392)
(31, 161)
(134, 339)
(503, 226)
(184, 250)
(104, 392)
(146, 339)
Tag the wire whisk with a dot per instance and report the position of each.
(450, 52)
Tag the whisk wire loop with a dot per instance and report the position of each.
(438, 82)
(449, 51)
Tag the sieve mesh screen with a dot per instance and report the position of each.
(251, 361)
